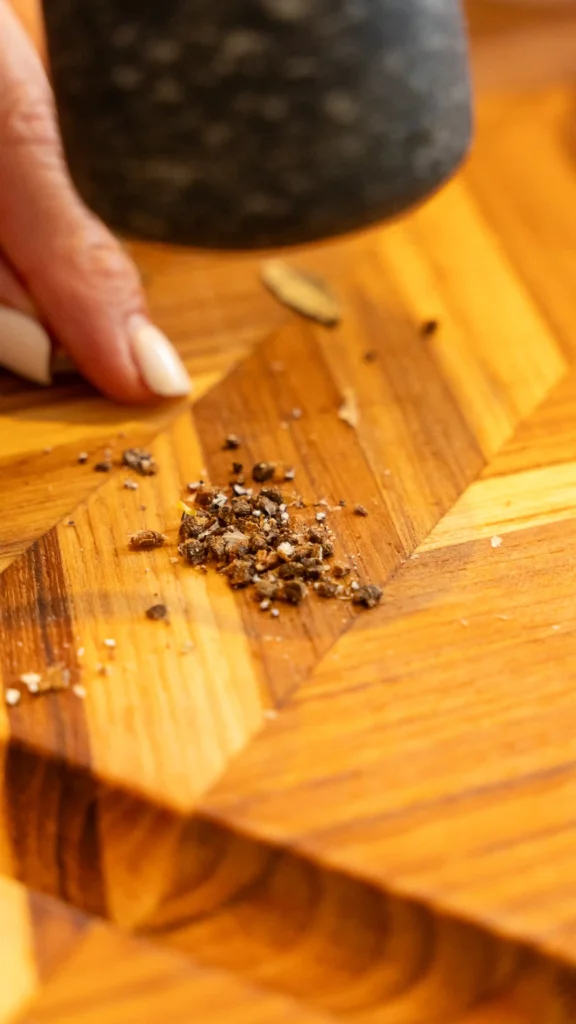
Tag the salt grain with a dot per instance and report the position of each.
(110, 643)
(320, 517)
(349, 411)
(79, 691)
(12, 697)
(80, 652)
(275, 613)
(31, 680)
(495, 541)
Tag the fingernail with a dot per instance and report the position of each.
(24, 346)
(159, 363)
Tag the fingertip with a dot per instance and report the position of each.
(158, 362)
(137, 365)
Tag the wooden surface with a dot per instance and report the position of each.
(330, 814)
(62, 967)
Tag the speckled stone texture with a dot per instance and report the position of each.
(245, 123)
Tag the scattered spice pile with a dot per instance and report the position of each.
(251, 536)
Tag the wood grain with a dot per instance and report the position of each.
(331, 814)
(521, 46)
(78, 970)
(18, 977)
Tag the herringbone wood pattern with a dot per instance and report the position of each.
(328, 814)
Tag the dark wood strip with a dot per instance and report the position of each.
(283, 403)
(51, 811)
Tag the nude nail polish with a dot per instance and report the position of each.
(159, 363)
(25, 346)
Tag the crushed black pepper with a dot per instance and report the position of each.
(359, 510)
(254, 541)
(139, 460)
(428, 328)
(231, 442)
(369, 596)
(146, 540)
(263, 471)
(157, 612)
(340, 571)
(103, 467)
(326, 588)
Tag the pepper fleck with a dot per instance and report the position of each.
(428, 328)
(263, 471)
(156, 612)
(146, 540)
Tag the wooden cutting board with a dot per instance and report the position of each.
(368, 813)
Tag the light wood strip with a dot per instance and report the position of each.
(496, 506)
(18, 976)
(547, 438)
(127, 982)
(57, 928)
(526, 200)
(493, 344)
(192, 684)
(442, 698)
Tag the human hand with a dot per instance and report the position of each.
(62, 274)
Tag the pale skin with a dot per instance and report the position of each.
(63, 276)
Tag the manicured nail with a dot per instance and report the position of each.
(24, 346)
(159, 363)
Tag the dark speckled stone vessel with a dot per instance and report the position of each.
(245, 123)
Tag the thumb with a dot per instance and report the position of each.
(85, 288)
